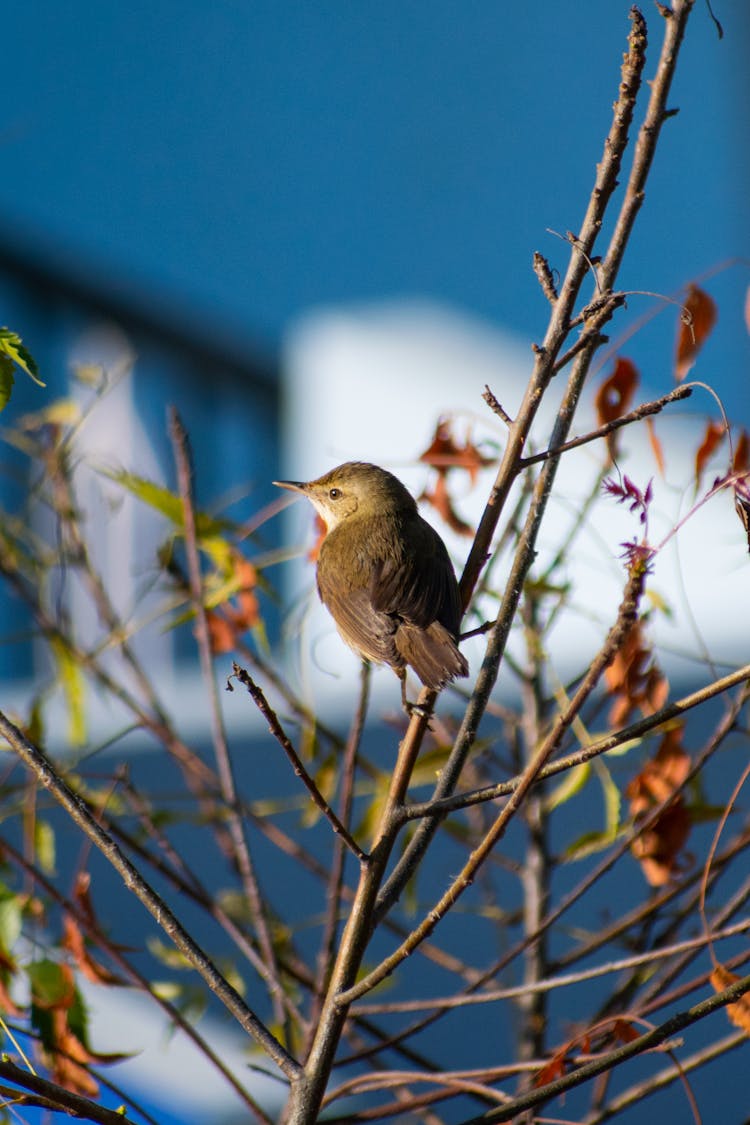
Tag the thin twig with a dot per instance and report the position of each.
(643, 411)
(79, 813)
(626, 616)
(55, 1097)
(606, 1062)
(495, 406)
(284, 742)
(609, 742)
(544, 277)
(327, 953)
(546, 354)
(564, 980)
(240, 846)
(635, 1094)
(172, 1013)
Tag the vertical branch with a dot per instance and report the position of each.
(535, 863)
(327, 953)
(308, 1089)
(606, 182)
(79, 813)
(241, 849)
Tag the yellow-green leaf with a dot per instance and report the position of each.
(11, 346)
(71, 680)
(570, 786)
(168, 503)
(6, 381)
(612, 800)
(44, 846)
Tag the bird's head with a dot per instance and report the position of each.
(354, 489)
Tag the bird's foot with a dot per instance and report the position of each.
(416, 709)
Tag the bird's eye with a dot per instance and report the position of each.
(334, 493)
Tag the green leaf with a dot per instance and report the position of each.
(169, 504)
(48, 984)
(11, 346)
(72, 682)
(570, 786)
(612, 800)
(588, 844)
(155, 495)
(167, 955)
(6, 381)
(10, 920)
(44, 846)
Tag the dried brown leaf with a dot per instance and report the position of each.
(616, 392)
(658, 848)
(739, 1011)
(656, 446)
(712, 438)
(697, 318)
(75, 944)
(441, 501)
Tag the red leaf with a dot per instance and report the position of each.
(445, 453)
(616, 393)
(658, 848)
(741, 459)
(624, 1031)
(73, 941)
(554, 1069)
(614, 397)
(711, 439)
(441, 501)
(696, 321)
(222, 635)
(656, 446)
(442, 450)
(320, 534)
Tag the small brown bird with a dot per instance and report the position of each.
(385, 575)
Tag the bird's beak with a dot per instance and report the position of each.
(292, 485)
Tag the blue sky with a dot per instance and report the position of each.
(238, 163)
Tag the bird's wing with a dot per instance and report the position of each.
(420, 587)
(368, 631)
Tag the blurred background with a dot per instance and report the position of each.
(311, 226)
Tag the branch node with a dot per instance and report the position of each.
(495, 406)
(545, 277)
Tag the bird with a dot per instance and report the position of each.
(385, 575)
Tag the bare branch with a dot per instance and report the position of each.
(79, 813)
(279, 734)
(240, 847)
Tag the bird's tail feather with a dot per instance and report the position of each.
(432, 653)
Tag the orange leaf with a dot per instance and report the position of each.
(656, 446)
(441, 501)
(73, 941)
(741, 459)
(444, 453)
(320, 534)
(696, 321)
(221, 633)
(658, 847)
(711, 439)
(634, 680)
(739, 1012)
(624, 1031)
(554, 1069)
(8, 1005)
(442, 449)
